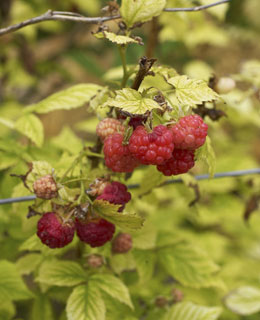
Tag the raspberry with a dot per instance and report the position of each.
(189, 132)
(177, 295)
(53, 232)
(109, 126)
(95, 232)
(95, 261)
(151, 148)
(181, 162)
(117, 156)
(122, 243)
(116, 193)
(45, 187)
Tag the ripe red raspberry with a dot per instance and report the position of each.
(109, 126)
(116, 193)
(122, 243)
(180, 162)
(45, 187)
(53, 232)
(189, 132)
(117, 156)
(95, 232)
(151, 148)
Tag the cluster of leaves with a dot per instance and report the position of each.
(205, 251)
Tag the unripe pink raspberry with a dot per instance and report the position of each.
(180, 162)
(95, 261)
(117, 156)
(151, 148)
(122, 243)
(45, 187)
(95, 232)
(116, 193)
(109, 126)
(189, 132)
(53, 232)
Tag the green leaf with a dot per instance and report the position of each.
(190, 92)
(61, 273)
(190, 266)
(134, 11)
(7, 310)
(30, 126)
(206, 154)
(67, 99)
(110, 212)
(132, 101)
(42, 309)
(113, 286)
(6, 122)
(28, 263)
(115, 38)
(39, 169)
(12, 286)
(86, 303)
(243, 301)
(190, 311)
(145, 261)
(151, 179)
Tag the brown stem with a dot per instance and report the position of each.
(145, 65)
(152, 38)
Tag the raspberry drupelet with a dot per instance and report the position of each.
(180, 162)
(151, 148)
(53, 232)
(117, 156)
(189, 132)
(116, 193)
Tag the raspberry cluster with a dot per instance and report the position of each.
(170, 148)
(56, 232)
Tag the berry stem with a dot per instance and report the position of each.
(74, 163)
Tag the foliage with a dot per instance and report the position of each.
(57, 80)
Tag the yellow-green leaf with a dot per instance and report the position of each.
(113, 286)
(115, 38)
(61, 273)
(190, 266)
(243, 301)
(132, 101)
(31, 126)
(86, 303)
(134, 11)
(206, 154)
(191, 311)
(110, 212)
(190, 92)
(67, 99)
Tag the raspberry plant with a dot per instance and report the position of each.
(107, 235)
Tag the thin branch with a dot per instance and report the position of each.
(56, 16)
(198, 8)
(71, 16)
(238, 173)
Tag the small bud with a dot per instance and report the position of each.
(95, 261)
(122, 243)
(161, 302)
(177, 295)
(97, 187)
(224, 85)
